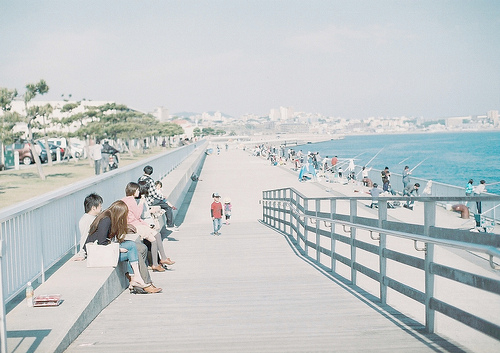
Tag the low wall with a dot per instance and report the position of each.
(87, 291)
(45, 229)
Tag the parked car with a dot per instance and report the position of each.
(61, 142)
(42, 150)
(78, 149)
(25, 156)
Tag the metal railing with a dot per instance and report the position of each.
(346, 244)
(38, 233)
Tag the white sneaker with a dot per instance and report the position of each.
(173, 229)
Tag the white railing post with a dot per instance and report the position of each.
(353, 213)
(306, 219)
(333, 210)
(429, 221)
(382, 216)
(318, 251)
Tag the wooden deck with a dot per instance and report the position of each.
(248, 290)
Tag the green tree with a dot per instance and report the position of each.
(196, 132)
(117, 121)
(208, 131)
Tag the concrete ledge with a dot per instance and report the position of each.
(85, 291)
(178, 181)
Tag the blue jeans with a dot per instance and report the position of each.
(168, 211)
(131, 255)
(217, 224)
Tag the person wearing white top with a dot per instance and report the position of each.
(478, 190)
(95, 153)
(93, 206)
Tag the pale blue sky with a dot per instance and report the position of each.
(353, 59)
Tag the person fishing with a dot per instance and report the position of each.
(406, 176)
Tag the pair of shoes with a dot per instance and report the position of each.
(158, 268)
(152, 289)
(167, 261)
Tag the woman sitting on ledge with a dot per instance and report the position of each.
(143, 228)
(111, 225)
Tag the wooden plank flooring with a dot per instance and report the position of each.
(247, 290)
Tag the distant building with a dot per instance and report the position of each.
(286, 113)
(162, 114)
(494, 118)
(275, 115)
(456, 121)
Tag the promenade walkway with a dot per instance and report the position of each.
(247, 290)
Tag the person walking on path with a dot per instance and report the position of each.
(227, 209)
(216, 213)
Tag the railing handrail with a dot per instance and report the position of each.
(485, 249)
(483, 197)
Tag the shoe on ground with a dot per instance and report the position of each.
(173, 229)
(158, 268)
(152, 289)
(167, 261)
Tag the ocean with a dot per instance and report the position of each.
(451, 158)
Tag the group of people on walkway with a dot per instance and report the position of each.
(133, 222)
(218, 210)
(105, 156)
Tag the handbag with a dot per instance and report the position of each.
(102, 255)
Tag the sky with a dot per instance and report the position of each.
(350, 59)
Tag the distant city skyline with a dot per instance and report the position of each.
(353, 59)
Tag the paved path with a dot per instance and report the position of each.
(246, 290)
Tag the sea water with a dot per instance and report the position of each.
(450, 158)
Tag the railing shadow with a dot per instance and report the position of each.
(23, 336)
(405, 323)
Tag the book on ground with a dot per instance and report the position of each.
(47, 300)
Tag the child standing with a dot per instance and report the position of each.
(216, 213)
(227, 209)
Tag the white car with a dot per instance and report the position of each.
(78, 150)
